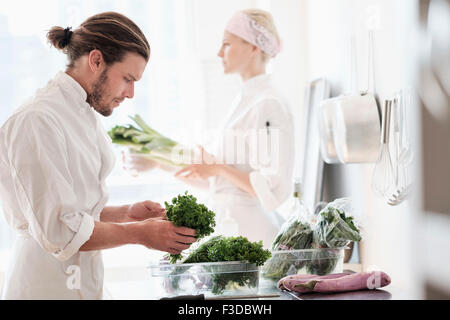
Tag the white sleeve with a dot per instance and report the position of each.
(273, 158)
(44, 185)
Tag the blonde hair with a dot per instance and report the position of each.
(265, 19)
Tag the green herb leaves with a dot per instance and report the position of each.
(294, 235)
(220, 248)
(185, 211)
(334, 229)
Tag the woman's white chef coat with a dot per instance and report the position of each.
(258, 138)
(54, 158)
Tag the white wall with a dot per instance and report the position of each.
(290, 69)
(389, 231)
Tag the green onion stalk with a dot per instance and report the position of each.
(148, 143)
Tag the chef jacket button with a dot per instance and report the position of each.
(58, 251)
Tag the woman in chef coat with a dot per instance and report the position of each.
(250, 173)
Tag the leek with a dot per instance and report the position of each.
(149, 143)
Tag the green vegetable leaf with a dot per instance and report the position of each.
(144, 140)
(220, 248)
(185, 211)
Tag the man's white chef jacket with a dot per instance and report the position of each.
(54, 158)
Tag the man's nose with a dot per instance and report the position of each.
(129, 93)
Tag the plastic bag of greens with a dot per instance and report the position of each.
(335, 226)
(296, 233)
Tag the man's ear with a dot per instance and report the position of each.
(95, 61)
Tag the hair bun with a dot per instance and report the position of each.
(59, 37)
(64, 42)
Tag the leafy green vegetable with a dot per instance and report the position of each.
(222, 281)
(149, 143)
(281, 265)
(185, 211)
(295, 235)
(321, 266)
(332, 230)
(218, 249)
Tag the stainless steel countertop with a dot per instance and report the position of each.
(139, 287)
(142, 290)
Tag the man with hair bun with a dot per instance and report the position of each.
(54, 158)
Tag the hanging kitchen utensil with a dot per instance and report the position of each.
(395, 198)
(327, 113)
(403, 151)
(350, 124)
(357, 124)
(325, 118)
(357, 129)
(383, 178)
(395, 137)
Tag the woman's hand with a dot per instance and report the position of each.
(145, 210)
(134, 163)
(208, 168)
(198, 171)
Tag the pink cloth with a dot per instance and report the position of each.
(251, 31)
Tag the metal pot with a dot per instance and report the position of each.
(357, 128)
(350, 125)
(325, 118)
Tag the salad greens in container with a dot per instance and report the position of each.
(215, 266)
(313, 247)
(218, 266)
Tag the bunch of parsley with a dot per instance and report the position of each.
(186, 212)
(220, 248)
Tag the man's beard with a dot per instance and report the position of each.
(95, 97)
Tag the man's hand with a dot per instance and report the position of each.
(156, 233)
(144, 210)
(163, 235)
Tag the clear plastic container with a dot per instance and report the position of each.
(306, 261)
(234, 278)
